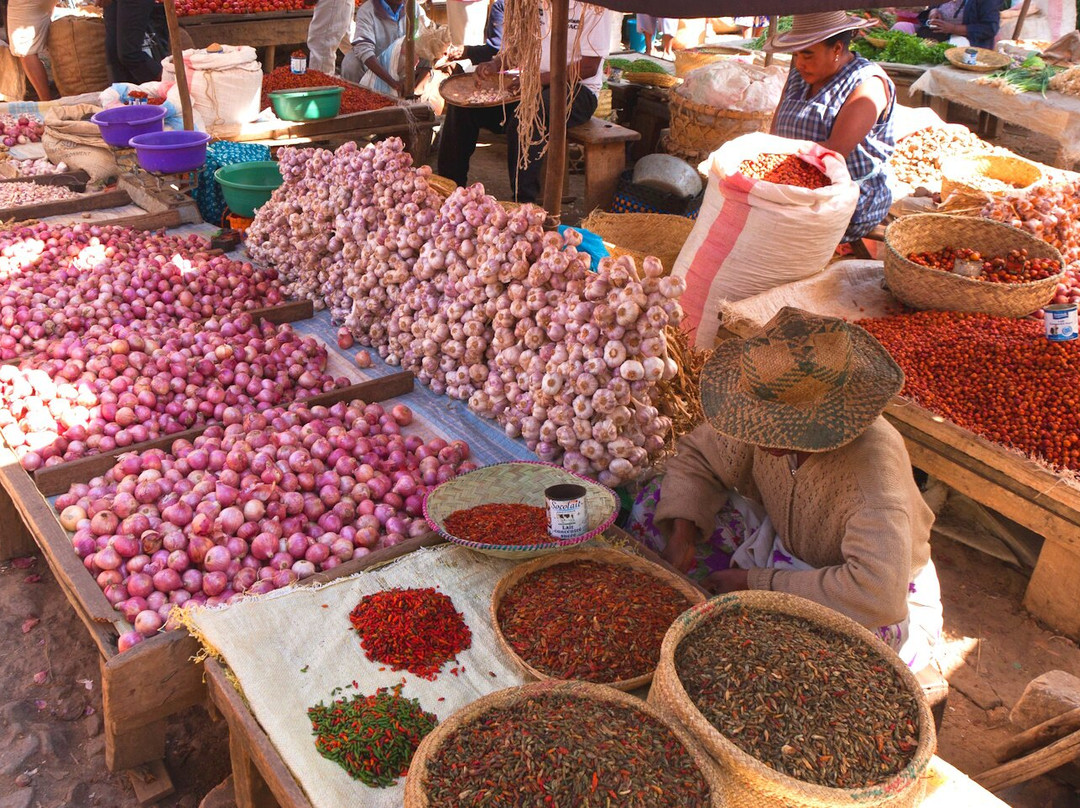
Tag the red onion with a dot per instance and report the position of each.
(148, 623)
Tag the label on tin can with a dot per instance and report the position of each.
(1061, 322)
(971, 56)
(567, 516)
(298, 64)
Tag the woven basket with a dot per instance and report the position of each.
(651, 79)
(985, 61)
(603, 103)
(631, 198)
(698, 130)
(748, 782)
(693, 58)
(960, 175)
(641, 234)
(601, 555)
(925, 288)
(519, 482)
(443, 186)
(415, 784)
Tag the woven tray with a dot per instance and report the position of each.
(457, 90)
(642, 234)
(415, 785)
(697, 130)
(651, 79)
(601, 555)
(959, 175)
(749, 783)
(519, 482)
(985, 61)
(693, 58)
(925, 288)
(443, 186)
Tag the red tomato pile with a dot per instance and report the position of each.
(785, 169)
(191, 8)
(354, 99)
(1016, 267)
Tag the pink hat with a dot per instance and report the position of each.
(809, 29)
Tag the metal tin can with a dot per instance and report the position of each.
(567, 515)
(971, 56)
(1061, 322)
(298, 64)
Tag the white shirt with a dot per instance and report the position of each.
(595, 39)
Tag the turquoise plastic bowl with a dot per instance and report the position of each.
(247, 186)
(308, 104)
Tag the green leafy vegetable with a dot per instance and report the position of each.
(902, 48)
(1031, 76)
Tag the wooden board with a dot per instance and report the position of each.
(58, 207)
(256, 30)
(374, 121)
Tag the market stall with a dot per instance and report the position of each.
(266, 30)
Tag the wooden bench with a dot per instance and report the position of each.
(605, 158)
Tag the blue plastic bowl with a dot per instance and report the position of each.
(120, 124)
(171, 152)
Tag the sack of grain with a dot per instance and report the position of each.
(226, 87)
(76, 46)
(70, 137)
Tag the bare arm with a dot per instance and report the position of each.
(857, 116)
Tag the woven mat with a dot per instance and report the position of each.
(289, 650)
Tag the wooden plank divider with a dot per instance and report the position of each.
(58, 207)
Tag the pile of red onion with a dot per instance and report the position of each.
(116, 387)
(253, 506)
(16, 130)
(63, 279)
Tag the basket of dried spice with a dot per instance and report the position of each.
(799, 705)
(594, 614)
(609, 744)
(501, 509)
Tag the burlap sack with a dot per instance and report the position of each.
(78, 142)
(76, 47)
(12, 78)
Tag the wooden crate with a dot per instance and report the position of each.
(264, 30)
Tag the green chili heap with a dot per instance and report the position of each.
(803, 699)
(584, 620)
(554, 749)
(417, 630)
(373, 738)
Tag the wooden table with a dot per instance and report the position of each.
(265, 30)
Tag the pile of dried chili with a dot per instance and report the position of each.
(500, 523)
(417, 630)
(354, 99)
(592, 621)
(554, 749)
(374, 737)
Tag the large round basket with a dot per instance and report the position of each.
(969, 175)
(985, 60)
(600, 555)
(416, 784)
(443, 186)
(519, 482)
(697, 130)
(749, 783)
(693, 58)
(925, 288)
(641, 234)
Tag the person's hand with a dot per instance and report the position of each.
(454, 53)
(681, 548)
(487, 70)
(723, 581)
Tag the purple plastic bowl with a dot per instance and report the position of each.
(171, 152)
(120, 124)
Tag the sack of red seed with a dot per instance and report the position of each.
(762, 224)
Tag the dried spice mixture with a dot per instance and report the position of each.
(500, 523)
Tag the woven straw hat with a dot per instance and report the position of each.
(803, 383)
(810, 29)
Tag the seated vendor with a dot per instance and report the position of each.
(842, 101)
(379, 25)
(797, 483)
(462, 125)
(963, 22)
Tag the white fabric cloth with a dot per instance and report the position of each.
(592, 23)
(466, 20)
(330, 23)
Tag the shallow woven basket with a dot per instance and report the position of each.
(959, 174)
(641, 234)
(518, 482)
(986, 60)
(416, 785)
(748, 782)
(443, 186)
(698, 130)
(925, 288)
(603, 103)
(651, 79)
(601, 555)
(693, 58)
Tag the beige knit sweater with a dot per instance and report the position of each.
(855, 514)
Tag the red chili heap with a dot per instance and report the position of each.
(785, 169)
(1016, 267)
(354, 99)
(500, 523)
(557, 750)
(417, 630)
(584, 620)
(1001, 378)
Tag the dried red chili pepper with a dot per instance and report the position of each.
(500, 523)
(785, 169)
(584, 620)
(353, 99)
(417, 630)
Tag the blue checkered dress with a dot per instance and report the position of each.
(812, 119)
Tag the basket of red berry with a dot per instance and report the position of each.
(959, 263)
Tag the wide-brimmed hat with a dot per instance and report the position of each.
(803, 382)
(809, 29)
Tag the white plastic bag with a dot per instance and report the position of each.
(753, 235)
(226, 87)
(734, 85)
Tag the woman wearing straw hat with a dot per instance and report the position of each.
(842, 101)
(797, 484)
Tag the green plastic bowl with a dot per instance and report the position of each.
(308, 104)
(247, 186)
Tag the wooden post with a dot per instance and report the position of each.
(556, 150)
(409, 79)
(770, 35)
(178, 63)
(1020, 19)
